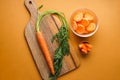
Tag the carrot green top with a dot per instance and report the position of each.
(60, 15)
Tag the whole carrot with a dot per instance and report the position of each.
(42, 43)
(45, 50)
(61, 51)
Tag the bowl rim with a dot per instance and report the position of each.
(89, 34)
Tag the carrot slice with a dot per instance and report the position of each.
(88, 16)
(74, 25)
(80, 29)
(84, 22)
(78, 16)
(91, 27)
(81, 46)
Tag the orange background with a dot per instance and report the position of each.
(103, 62)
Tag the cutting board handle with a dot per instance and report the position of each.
(32, 8)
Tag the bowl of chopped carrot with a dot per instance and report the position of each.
(84, 22)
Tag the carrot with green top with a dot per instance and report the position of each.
(43, 44)
(62, 37)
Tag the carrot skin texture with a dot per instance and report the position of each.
(44, 48)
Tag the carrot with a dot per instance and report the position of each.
(83, 48)
(43, 45)
(88, 47)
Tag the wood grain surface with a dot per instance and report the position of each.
(49, 26)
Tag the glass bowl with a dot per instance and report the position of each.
(84, 22)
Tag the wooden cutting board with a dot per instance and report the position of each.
(49, 26)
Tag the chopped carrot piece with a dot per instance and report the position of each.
(82, 46)
(88, 47)
(91, 27)
(78, 16)
(85, 47)
(85, 51)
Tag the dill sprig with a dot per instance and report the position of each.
(61, 51)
